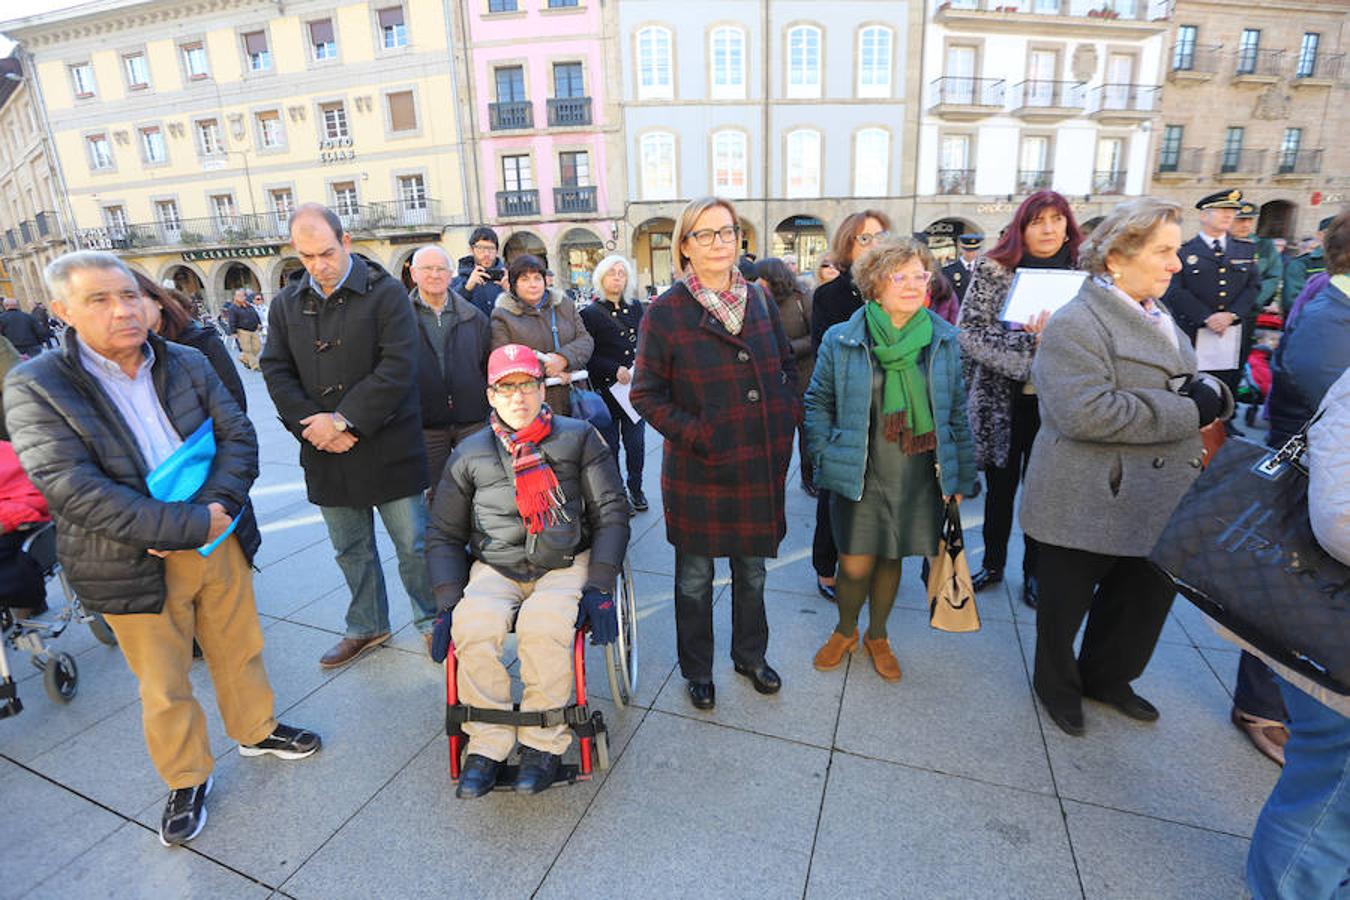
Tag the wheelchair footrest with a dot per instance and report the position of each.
(568, 773)
(10, 704)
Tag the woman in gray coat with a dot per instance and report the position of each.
(1121, 413)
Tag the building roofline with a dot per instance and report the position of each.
(16, 28)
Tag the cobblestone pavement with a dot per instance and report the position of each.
(948, 784)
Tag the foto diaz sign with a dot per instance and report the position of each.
(231, 253)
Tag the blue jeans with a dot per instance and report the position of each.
(351, 529)
(1301, 845)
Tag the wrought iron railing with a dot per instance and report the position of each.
(956, 181)
(1108, 182)
(569, 111)
(1124, 98)
(1037, 94)
(1299, 162)
(574, 199)
(516, 114)
(518, 203)
(951, 90)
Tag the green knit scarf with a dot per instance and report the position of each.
(904, 396)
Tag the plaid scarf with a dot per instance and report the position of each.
(538, 495)
(728, 306)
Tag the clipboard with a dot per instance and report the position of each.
(1035, 290)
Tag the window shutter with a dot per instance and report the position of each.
(255, 42)
(391, 16)
(402, 113)
(321, 32)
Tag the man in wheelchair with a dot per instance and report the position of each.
(530, 521)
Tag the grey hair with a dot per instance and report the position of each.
(602, 269)
(450, 263)
(1124, 231)
(58, 271)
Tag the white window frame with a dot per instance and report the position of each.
(729, 144)
(216, 135)
(172, 222)
(338, 199)
(339, 106)
(871, 178)
(187, 52)
(800, 145)
(132, 83)
(727, 55)
(875, 80)
(79, 74)
(399, 33)
(316, 52)
(524, 172)
(262, 62)
(142, 134)
(804, 80)
(103, 162)
(260, 120)
(650, 42)
(412, 199)
(657, 185)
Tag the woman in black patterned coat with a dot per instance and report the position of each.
(1004, 415)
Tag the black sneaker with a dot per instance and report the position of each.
(285, 742)
(184, 814)
(638, 499)
(538, 769)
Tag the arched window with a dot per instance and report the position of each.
(803, 163)
(657, 153)
(654, 68)
(728, 63)
(874, 61)
(803, 50)
(730, 156)
(871, 162)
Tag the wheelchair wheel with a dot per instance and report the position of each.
(60, 677)
(621, 657)
(101, 630)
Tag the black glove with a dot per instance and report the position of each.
(1207, 400)
(597, 608)
(440, 636)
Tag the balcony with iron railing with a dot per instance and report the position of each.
(363, 220)
(1031, 180)
(1109, 181)
(1248, 163)
(569, 112)
(1258, 66)
(512, 116)
(1324, 70)
(1124, 103)
(958, 97)
(45, 222)
(574, 199)
(1123, 18)
(1181, 164)
(518, 203)
(956, 181)
(1046, 100)
(1197, 62)
(1292, 165)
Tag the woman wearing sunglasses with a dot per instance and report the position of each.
(886, 427)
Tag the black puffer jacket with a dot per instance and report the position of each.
(208, 341)
(475, 505)
(75, 447)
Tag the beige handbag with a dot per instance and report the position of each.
(951, 595)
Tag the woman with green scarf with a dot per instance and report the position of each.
(886, 428)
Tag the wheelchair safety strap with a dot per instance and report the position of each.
(544, 718)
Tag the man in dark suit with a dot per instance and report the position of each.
(1219, 280)
(958, 271)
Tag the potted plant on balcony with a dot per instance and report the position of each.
(189, 237)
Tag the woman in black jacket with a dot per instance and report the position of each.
(833, 302)
(168, 316)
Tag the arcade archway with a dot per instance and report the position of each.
(523, 242)
(654, 250)
(803, 236)
(1277, 219)
(579, 252)
(942, 236)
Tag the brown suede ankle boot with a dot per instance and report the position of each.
(883, 658)
(836, 648)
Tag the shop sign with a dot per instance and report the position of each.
(332, 150)
(231, 253)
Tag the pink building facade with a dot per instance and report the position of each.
(545, 129)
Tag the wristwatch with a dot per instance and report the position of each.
(339, 423)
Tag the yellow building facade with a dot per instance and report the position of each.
(188, 132)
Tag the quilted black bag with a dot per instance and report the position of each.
(1241, 548)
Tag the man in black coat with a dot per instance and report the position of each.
(19, 327)
(482, 274)
(453, 341)
(243, 321)
(90, 425)
(341, 364)
(959, 271)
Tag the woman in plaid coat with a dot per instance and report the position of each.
(715, 376)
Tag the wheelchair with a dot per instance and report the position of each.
(588, 725)
(60, 676)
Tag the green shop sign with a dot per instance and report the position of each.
(231, 253)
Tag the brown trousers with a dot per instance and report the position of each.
(211, 599)
(250, 345)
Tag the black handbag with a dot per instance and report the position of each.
(586, 404)
(1241, 548)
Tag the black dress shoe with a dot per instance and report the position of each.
(478, 776)
(1031, 591)
(1069, 722)
(1131, 704)
(763, 677)
(638, 499)
(538, 769)
(985, 577)
(702, 694)
(825, 590)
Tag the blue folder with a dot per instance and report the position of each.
(181, 476)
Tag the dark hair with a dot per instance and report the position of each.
(841, 245)
(939, 289)
(1009, 249)
(1336, 244)
(523, 265)
(175, 316)
(484, 233)
(316, 209)
(782, 283)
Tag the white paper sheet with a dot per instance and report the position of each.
(1218, 353)
(621, 392)
(1035, 290)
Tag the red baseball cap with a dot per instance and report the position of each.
(513, 359)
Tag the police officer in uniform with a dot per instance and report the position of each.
(1219, 278)
(958, 272)
(1269, 263)
(1305, 266)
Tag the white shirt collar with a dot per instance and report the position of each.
(1209, 241)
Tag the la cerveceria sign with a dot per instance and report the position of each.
(231, 252)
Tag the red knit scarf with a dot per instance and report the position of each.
(538, 496)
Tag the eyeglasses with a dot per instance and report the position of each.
(511, 388)
(827, 265)
(900, 279)
(484, 248)
(867, 237)
(704, 237)
(433, 270)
